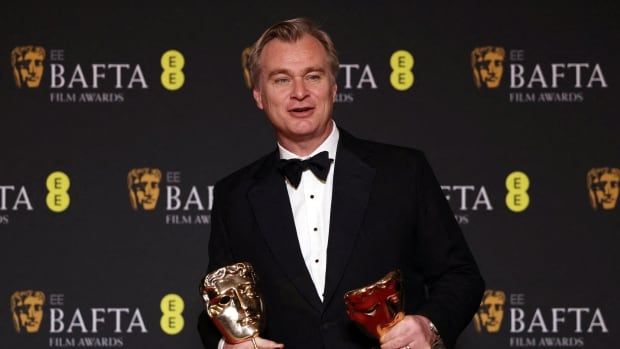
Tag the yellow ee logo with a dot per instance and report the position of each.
(57, 198)
(172, 78)
(402, 62)
(172, 307)
(517, 199)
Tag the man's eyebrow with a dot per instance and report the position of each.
(288, 72)
(279, 71)
(314, 69)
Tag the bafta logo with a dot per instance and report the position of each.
(143, 185)
(491, 312)
(27, 63)
(245, 56)
(487, 64)
(603, 187)
(27, 310)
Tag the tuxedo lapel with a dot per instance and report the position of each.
(352, 184)
(270, 203)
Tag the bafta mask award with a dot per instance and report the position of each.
(233, 303)
(377, 307)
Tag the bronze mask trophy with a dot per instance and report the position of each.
(377, 307)
(233, 303)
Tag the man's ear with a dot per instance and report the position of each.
(334, 90)
(258, 98)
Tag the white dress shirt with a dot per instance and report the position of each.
(311, 207)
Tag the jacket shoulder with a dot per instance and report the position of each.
(244, 176)
(378, 153)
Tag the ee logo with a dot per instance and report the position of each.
(172, 306)
(402, 77)
(517, 198)
(172, 62)
(57, 198)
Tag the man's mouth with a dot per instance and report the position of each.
(249, 321)
(301, 111)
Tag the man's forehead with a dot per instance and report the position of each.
(307, 47)
(232, 281)
(492, 54)
(32, 299)
(492, 299)
(610, 176)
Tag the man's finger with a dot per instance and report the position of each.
(261, 343)
(395, 343)
(394, 332)
(267, 344)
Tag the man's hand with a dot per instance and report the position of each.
(413, 331)
(260, 343)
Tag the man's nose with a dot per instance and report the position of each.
(299, 88)
(242, 302)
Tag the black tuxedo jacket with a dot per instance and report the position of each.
(388, 212)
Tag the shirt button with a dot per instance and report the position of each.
(316, 261)
(311, 196)
(315, 229)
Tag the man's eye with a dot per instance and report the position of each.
(247, 290)
(281, 81)
(224, 300)
(371, 311)
(139, 186)
(313, 77)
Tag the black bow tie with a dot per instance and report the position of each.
(293, 168)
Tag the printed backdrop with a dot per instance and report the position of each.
(117, 121)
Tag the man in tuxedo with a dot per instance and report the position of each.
(326, 213)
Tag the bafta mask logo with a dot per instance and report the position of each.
(377, 307)
(27, 62)
(245, 55)
(143, 185)
(487, 64)
(603, 187)
(491, 312)
(233, 303)
(27, 310)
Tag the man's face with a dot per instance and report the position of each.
(147, 191)
(491, 313)
(375, 308)
(30, 68)
(30, 313)
(491, 68)
(606, 189)
(236, 308)
(296, 89)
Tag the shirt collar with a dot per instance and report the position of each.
(330, 145)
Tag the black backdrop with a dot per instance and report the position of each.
(555, 259)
